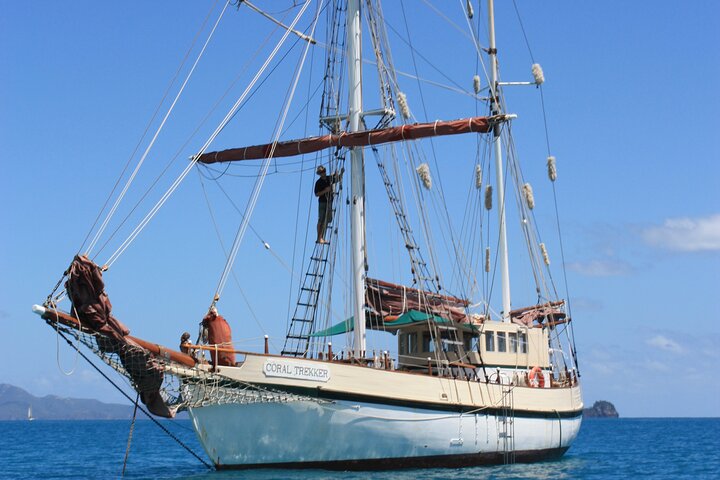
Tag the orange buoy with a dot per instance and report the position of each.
(536, 377)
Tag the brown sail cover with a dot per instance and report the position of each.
(92, 307)
(218, 333)
(389, 299)
(356, 139)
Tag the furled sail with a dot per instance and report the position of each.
(390, 301)
(356, 139)
(92, 310)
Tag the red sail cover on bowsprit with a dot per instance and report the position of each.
(219, 333)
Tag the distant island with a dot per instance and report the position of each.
(16, 404)
(601, 409)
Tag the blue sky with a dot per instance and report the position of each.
(632, 112)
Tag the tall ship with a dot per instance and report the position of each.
(427, 328)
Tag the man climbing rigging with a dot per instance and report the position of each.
(324, 192)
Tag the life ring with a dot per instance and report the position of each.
(536, 378)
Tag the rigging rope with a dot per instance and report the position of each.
(212, 137)
(157, 133)
(222, 246)
(130, 434)
(266, 164)
(147, 128)
(142, 409)
(57, 349)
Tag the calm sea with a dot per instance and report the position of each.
(625, 448)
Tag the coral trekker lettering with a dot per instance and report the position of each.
(285, 369)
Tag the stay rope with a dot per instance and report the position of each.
(205, 146)
(266, 163)
(222, 246)
(142, 409)
(57, 351)
(130, 434)
(557, 213)
(147, 128)
(157, 133)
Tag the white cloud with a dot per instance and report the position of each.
(587, 304)
(605, 362)
(665, 343)
(713, 354)
(657, 366)
(603, 368)
(600, 268)
(686, 234)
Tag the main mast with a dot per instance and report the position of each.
(497, 144)
(357, 175)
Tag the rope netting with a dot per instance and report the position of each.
(164, 384)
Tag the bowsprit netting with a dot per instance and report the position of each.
(167, 381)
(158, 378)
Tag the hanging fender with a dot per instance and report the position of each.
(536, 378)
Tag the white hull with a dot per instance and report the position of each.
(352, 434)
(345, 427)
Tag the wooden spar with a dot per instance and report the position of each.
(159, 350)
(213, 348)
(553, 323)
(356, 139)
(557, 303)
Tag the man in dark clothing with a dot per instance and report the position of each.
(324, 192)
(185, 342)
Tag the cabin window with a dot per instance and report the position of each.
(428, 344)
(513, 340)
(403, 346)
(502, 342)
(470, 342)
(489, 341)
(443, 341)
(523, 342)
(412, 343)
(408, 343)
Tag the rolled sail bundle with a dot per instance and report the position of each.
(92, 310)
(91, 305)
(390, 300)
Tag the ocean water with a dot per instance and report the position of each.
(669, 448)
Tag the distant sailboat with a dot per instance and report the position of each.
(30, 415)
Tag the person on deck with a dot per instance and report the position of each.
(185, 343)
(217, 334)
(324, 192)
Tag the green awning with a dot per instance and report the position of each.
(407, 318)
(414, 316)
(342, 327)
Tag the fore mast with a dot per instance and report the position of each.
(357, 176)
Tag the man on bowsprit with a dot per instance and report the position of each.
(324, 192)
